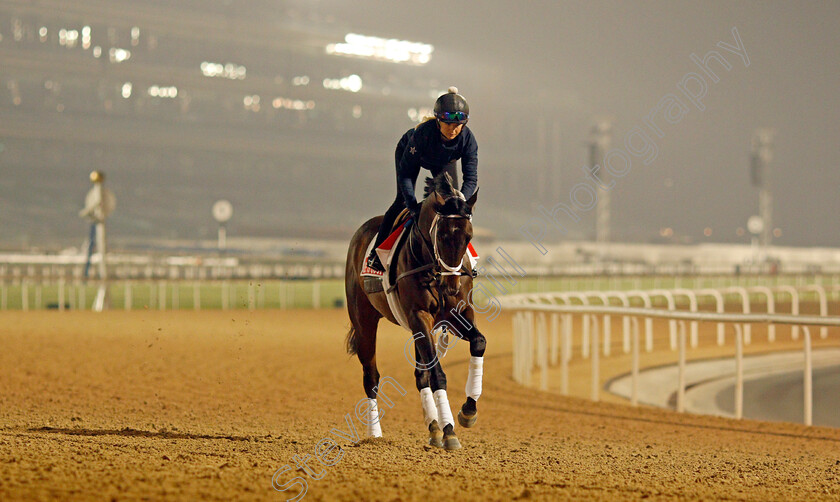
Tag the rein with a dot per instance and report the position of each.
(447, 269)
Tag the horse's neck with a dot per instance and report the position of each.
(416, 251)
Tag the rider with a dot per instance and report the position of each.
(435, 144)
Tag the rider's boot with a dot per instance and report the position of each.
(374, 262)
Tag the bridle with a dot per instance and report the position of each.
(446, 268)
(438, 268)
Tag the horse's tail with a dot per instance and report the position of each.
(352, 341)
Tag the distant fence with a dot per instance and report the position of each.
(180, 282)
(535, 347)
(172, 268)
(26, 294)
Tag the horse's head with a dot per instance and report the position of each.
(446, 217)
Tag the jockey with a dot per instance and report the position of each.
(436, 144)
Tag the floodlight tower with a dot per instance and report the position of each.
(599, 142)
(760, 157)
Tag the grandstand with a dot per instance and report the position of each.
(180, 110)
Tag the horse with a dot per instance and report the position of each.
(433, 281)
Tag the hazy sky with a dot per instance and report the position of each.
(577, 60)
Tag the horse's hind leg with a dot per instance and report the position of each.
(366, 350)
(364, 318)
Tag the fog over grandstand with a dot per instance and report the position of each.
(184, 103)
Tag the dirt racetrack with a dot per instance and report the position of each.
(187, 406)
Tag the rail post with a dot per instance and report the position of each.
(595, 363)
(565, 353)
(681, 378)
(794, 308)
(634, 392)
(542, 350)
(823, 305)
(739, 372)
(808, 386)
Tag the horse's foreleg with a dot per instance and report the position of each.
(433, 397)
(427, 402)
(462, 316)
(468, 413)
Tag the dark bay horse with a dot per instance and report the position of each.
(433, 281)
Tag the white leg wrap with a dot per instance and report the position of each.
(473, 388)
(444, 412)
(373, 428)
(428, 402)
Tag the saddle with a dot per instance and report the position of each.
(384, 250)
(390, 247)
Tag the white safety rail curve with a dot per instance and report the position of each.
(534, 345)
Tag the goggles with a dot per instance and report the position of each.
(452, 116)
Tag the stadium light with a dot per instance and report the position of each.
(381, 49)
(353, 83)
(157, 91)
(292, 104)
(230, 70)
(118, 55)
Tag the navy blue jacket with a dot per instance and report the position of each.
(425, 147)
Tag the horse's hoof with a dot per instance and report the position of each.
(465, 420)
(435, 435)
(451, 442)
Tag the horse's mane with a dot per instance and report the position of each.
(455, 202)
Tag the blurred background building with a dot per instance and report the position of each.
(291, 110)
(182, 103)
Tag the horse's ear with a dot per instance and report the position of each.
(438, 200)
(471, 200)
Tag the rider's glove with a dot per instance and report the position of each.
(414, 209)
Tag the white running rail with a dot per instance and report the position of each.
(531, 332)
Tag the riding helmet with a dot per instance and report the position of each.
(452, 108)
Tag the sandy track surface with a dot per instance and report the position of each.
(183, 405)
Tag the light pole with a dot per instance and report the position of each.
(222, 211)
(599, 142)
(760, 157)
